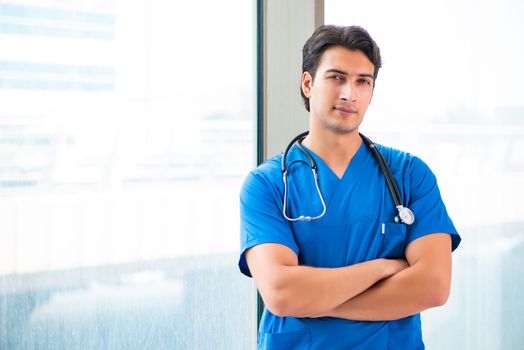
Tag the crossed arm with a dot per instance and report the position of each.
(380, 289)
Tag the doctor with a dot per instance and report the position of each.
(335, 266)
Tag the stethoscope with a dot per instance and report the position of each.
(405, 215)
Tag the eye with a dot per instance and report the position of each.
(337, 77)
(364, 81)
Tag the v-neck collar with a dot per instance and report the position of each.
(329, 182)
(328, 170)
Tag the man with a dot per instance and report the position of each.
(353, 276)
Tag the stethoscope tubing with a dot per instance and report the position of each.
(392, 184)
(405, 214)
(286, 151)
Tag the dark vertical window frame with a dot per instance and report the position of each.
(260, 109)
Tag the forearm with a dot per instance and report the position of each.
(307, 291)
(406, 293)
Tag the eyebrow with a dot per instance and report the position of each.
(363, 75)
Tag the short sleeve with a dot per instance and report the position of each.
(260, 218)
(426, 203)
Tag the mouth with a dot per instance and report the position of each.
(345, 110)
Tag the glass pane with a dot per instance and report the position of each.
(449, 92)
(126, 129)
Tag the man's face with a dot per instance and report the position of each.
(341, 91)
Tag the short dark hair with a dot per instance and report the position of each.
(351, 37)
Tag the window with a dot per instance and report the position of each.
(449, 92)
(126, 130)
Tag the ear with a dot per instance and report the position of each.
(307, 83)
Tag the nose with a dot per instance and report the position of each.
(347, 92)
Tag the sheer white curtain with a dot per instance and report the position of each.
(449, 92)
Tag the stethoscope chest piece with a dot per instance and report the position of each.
(405, 216)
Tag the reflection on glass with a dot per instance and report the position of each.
(449, 92)
(126, 129)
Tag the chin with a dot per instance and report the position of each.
(344, 129)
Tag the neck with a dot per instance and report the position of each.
(334, 148)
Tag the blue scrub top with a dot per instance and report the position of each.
(358, 226)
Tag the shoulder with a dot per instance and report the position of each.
(270, 168)
(408, 166)
(402, 159)
(266, 175)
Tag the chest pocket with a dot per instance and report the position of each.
(394, 237)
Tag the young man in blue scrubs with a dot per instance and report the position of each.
(354, 278)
